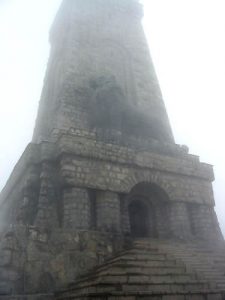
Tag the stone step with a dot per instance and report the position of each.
(132, 258)
(214, 273)
(203, 267)
(114, 270)
(214, 278)
(123, 262)
(143, 256)
(221, 286)
(28, 297)
(220, 281)
(210, 263)
(138, 249)
(138, 279)
(146, 269)
(150, 269)
(207, 295)
(102, 288)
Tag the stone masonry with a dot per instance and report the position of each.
(102, 190)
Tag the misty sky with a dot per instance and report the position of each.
(187, 42)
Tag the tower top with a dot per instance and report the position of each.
(100, 74)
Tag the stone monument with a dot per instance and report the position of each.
(103, 204)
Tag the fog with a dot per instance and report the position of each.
(187, 44)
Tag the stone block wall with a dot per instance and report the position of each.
(180, 222)
(37, 261)
(204, 222)
(12, 257)
(78, 181)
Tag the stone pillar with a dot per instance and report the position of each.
(27, 212)
(108, 211)
(77, 208)
(46, 214)
(180, 224)
(28, 208)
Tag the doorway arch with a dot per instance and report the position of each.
(148, 209)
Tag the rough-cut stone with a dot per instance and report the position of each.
(103, 188)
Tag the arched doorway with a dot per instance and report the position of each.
(148, 211)
(139, 219)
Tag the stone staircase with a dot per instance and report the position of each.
(146, 271)
(208, 261)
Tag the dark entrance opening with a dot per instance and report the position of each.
(148, 211)
(139, 219)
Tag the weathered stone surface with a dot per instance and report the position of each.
(103, 171)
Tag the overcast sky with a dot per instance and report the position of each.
(187, 42)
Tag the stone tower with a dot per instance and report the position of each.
(103, 181)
